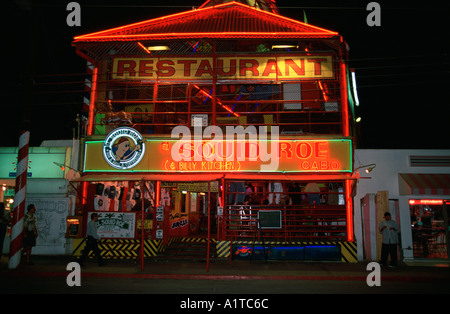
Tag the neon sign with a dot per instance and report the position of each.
(426, 202)
(301, 155)
(124, 148)
(251, 67)
(235, 155)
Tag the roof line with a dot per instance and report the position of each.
(97, 35)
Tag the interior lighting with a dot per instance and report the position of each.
(426, 202)
(158, 48)
(358, 119)
(217, 101)
(283, 46)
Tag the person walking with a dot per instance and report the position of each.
(92, 242)
(389, 230)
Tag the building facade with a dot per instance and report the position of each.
(210, 122)
(414, 186)
(50, 168)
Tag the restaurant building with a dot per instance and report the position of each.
(214, 121)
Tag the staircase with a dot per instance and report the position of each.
(188, 249)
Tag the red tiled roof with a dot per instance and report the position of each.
(229, 20)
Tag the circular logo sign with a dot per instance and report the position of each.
(124, 148)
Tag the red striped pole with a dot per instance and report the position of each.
(19, 201)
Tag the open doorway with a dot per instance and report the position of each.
(429, 224)
(190, 208)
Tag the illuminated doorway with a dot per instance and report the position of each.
(189, 209)
(429, 224)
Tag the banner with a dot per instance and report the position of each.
(115, 224)
(271, 68)
(301, 155)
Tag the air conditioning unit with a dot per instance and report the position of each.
(292, 92)
(331, 106)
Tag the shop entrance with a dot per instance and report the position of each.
(189, 208)
(430, 227)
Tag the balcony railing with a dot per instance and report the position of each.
(298, 223)
(323, 118)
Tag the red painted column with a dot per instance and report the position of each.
(19, 201)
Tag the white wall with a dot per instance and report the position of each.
(389, 163)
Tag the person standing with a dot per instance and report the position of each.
(389, 230)
(5, 220)
(92, 242)
(313, 191)
(29, 232)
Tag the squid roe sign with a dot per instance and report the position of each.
(239, 149)
(249, 150)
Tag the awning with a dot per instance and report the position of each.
(182, 177)
(424, 184)
(8, 182)
(196, 177)
(286, 177)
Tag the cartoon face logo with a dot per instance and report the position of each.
(243, 251)
(124, 148)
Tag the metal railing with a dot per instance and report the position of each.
(298, 222)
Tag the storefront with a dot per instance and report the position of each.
(49, 169)
(414, 186)
(208, 134)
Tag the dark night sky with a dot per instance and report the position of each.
(402, 66)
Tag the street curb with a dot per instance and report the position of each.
(226, 277)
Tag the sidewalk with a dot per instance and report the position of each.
(51, 266)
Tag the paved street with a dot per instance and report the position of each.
(112, 285)
(49, 275)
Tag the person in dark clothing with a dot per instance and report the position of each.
(5, 220)
(92, 242)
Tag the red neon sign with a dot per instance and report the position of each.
(426, 202)
(306, 155)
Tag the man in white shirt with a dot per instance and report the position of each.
(389, 230)
(91, 242)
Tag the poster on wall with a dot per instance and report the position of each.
(116, 224)
(51, 215)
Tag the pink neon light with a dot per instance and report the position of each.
(145, 49)
(218, 101)
(426, 202)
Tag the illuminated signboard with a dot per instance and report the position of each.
(123, 148)
(426, 202)
(227, 68)
(308, 155)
